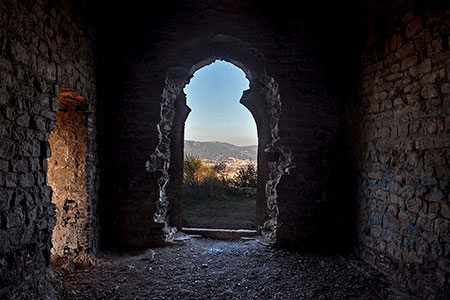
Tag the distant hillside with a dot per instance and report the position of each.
(219, 151)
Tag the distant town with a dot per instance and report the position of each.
(212, 153)
(232, 165)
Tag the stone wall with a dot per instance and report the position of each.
(67, 176)
(302, 64)
(44, 45)
(401, 133)
(288, 55)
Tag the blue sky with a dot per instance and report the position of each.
(213, 94)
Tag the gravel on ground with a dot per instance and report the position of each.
(199, 268)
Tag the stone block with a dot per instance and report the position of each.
(445, 88)
(429, 91)
(413, 205)
(413, 27)
(20, 166)
(26, 180)
(392, 210)
(10, 179)
(7, 148)
(408, 17)
(396, 41)
(421, 41)
(433, 209)
(436, 46)
(409, 62)
(421, 69)
(4, 165)
(442, 227)
(39, 124)
(34, 164)
(445, 211)
(412, 257)
(23, 120)
(4, 96)
(405, 51)
(2, 179)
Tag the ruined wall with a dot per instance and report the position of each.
(161, 46)
(67, 176)
(43, 46)
(401, 136)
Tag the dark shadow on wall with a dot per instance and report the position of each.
(332, 30)
(335, 33)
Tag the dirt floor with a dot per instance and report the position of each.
(234, 212)
(211, 269)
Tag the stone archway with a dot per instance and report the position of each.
(263, 101)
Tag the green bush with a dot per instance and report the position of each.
(194, 170)
(202, 182)
(246, 176)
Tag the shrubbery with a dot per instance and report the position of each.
(203, 182)
(246, 176)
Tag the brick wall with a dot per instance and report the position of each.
(401, 130)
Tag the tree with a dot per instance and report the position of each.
(246, 176)
(192, 170)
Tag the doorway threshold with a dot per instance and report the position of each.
(221, 234)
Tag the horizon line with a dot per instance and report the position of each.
(212, 141)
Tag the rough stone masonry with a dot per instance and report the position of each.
(401, 142)
(351, 100)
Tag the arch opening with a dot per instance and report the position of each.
(220, 151)
(67, 175)
(274, 159)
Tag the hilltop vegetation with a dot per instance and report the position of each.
(210, 200)
(219, 151)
